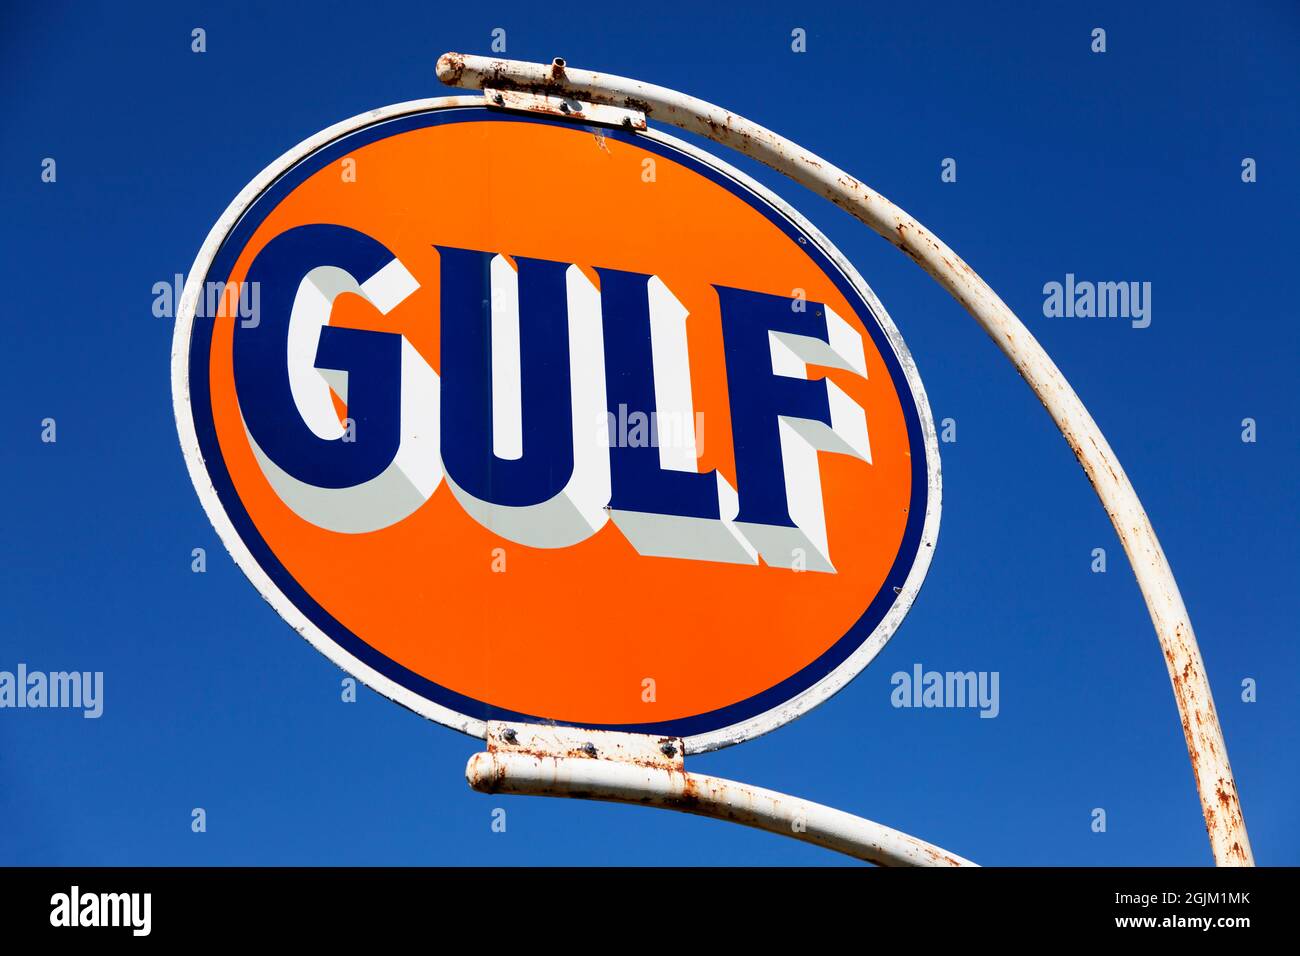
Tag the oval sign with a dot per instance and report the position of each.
(517, 419)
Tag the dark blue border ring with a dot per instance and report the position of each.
(200, 398)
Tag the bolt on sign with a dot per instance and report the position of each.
(545, 421)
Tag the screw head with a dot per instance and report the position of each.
(668, 750)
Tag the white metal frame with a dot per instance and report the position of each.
(1205, 744)
(649, 771)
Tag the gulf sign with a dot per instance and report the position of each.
(550, 422)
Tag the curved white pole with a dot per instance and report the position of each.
(676, 789)
(1205, 745)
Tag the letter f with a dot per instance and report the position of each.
(781, 419)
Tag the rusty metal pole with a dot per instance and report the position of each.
(1205, 745)
(648, 771)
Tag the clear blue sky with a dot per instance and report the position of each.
(1120, 166)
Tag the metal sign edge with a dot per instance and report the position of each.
(738, 732)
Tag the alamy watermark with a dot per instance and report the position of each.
(233, 299)
(133, 911)
(922, 688)
(79, 690)
(675, 431)
(1084, 299)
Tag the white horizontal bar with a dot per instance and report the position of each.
(656, 786)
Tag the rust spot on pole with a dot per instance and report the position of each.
(451, 66)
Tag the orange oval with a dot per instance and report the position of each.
(464, 625)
